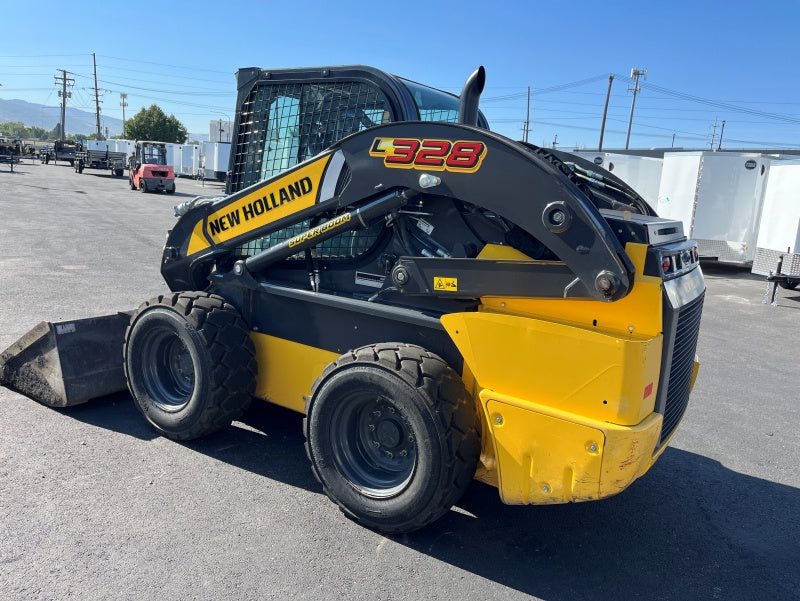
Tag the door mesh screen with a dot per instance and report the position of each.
(281, 125)
(284, 124)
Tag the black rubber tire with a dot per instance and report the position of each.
(189, 363)
(142, 185)
(119, 172)
(789, 284)
(392, 436)
(170, 190)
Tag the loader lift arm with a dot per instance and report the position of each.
(352, 184)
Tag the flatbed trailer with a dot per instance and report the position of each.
(100, 159)
(10, 150)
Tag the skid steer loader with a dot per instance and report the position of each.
(440, 302)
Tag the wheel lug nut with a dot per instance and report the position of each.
(372, 427)
(376, 414)
(403, 453)
(376, 444)
(390, 455)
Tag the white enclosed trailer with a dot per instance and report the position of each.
(643, 174)
(101, 145)
(126, 146)
(173, 155)
(215, 160)
(779, 235)
(718, 196)
(188, 161)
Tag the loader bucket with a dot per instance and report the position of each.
(67, 363)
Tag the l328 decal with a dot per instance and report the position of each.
(463, 156)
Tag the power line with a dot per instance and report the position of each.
(203, 69)
(724, 105)
(540, 91)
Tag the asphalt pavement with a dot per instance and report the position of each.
(94, 505)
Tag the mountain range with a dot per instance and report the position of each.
(77, 121)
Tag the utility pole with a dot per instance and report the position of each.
(605, 113)
(64, 80)
(555, 141)
(123, 104)
(96, 98)
(713, 133)
(635, 74)
(722, 131)
(528, 119)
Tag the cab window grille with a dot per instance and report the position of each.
(348, 245)
(449, 116)
(281, 125)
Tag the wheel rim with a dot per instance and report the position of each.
(373, 445)
(168, 370)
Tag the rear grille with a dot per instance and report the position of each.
(683, 343)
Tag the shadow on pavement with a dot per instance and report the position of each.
(689, 529)
(268, 440)
(727, 271)
(115, 412)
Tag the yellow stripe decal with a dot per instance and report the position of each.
(279, 198)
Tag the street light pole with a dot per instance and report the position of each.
(605, 113)
(123, 104)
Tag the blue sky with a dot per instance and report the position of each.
(726, 60)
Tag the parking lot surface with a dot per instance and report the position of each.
(95, 505)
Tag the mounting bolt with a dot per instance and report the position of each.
(546, 488)
(400, 275)
(606, 283)
(498, 420)
(557, 217)
(593, 447)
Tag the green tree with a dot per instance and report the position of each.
(39, 133)
(14, 129)
(153, 124)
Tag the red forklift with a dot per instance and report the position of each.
(148, 168)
